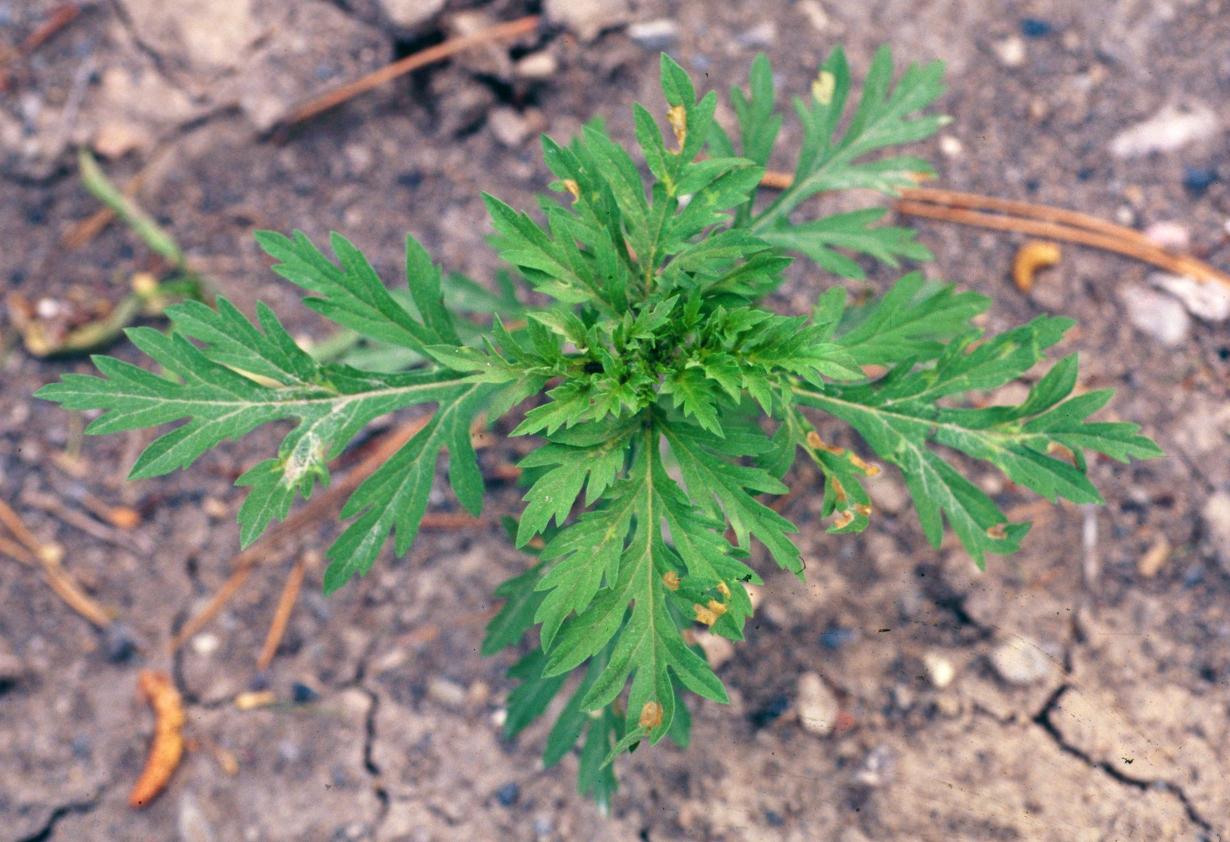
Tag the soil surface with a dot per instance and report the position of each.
(1077, 691)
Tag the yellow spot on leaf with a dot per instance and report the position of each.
(862, 509)
(704, 615)
(651, 716)
(823, 87)
(998, 532)
(844, 518)
(724, 589)
(573, 188)
(814, 441)
(677, 116)
(671, 579)
(866, 467)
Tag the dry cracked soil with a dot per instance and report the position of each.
(1077, 691)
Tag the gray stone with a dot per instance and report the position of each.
(588, 18)
(490, 59)
(446, 692)
(209, 35)
(409, 14)
(314, 48)
(940, 669)
(536, 66)
(1215, 515)
(1208, 301)
(1169, 129)
(1156, 314)
(816, 705)
(508, 126)
(1010, 51)
(658, 34)
(1021, 661)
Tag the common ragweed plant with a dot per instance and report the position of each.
(668, 401)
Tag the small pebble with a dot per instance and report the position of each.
(1169, 235)
(1215, 515)
(1208, 301)
(205, 644)
(508, 126)
(836, 637)
(118, 643)
(1036, 27)
(1010, 51)
(1021, 662)
(877, 767)
(1154, 559)
(1156, 314)
(508, 794)
(1199, 179)
(950, 147)
(816, 704)
(940, 670)
(446, 692)
(409, 14)
(539, 65)
(303, 694)
(1169, 129)
(588, 18)
(770, 712)
(477, 694)
(815, 14)
(659, 34)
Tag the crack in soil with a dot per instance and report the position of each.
(369, 730)
(369, 742)
(44, 833)
(1043, 720)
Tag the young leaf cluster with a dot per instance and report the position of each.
(666, 398)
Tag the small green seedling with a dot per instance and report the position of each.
(667, 398)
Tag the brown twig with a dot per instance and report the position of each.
(212, 608)
(13, 522)
(56, 577)
(59, 18)
(1151, 254)
(281, 615)
(332, 98)
(312, 512)
(1037, 220)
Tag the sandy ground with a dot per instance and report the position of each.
(1089, 694)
